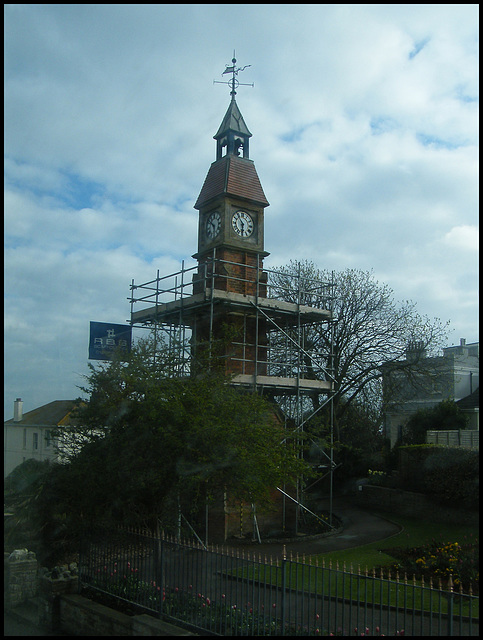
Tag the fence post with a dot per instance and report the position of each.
(159, 569)
(450, 606)
(284, 584)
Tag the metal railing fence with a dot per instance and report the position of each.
(236, 593)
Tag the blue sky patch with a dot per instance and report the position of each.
(419, 46)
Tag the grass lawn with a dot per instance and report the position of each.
(371, 556)
(414, 533)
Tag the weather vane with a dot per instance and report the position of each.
(234, 83)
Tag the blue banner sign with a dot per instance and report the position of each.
(105, 338)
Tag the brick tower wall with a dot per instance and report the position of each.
(235, 271)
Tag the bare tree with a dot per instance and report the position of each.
(370, 331)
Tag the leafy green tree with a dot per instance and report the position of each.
(21, 491)
(358, 445)
(150, 442)
(444, 416)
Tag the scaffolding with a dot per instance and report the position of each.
(274, 313)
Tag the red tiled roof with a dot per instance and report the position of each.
(233, 176)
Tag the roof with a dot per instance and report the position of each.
(233, 121)
(232, 176)
(470, 402)
(52, 414)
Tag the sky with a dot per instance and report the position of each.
(365, 139)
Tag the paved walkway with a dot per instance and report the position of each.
(359, 527)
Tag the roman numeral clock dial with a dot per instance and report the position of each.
(213, 225)
(242, 224)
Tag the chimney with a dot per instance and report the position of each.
(18, 410)
(415, 350)
(462, 342)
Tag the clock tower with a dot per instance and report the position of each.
(231, 203)
(222, 307)
(230, 254)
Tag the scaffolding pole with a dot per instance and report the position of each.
(171, 305)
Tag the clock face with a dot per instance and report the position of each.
(242, 223)
(213, 225)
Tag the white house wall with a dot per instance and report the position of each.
(25, 442)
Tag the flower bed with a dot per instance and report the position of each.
(438, 561)
(115, 590)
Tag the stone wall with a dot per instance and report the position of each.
(52, 585)
(411, 504)
(20, 577)
(55, 606)
(82, 617)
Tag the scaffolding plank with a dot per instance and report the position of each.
(293, 384)
(271, 306)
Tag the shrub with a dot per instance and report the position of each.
(449, 474)
(452, 476)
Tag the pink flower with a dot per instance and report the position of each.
(317, 616)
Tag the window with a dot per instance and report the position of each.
(48, 438)
(36, 441)
(24, 444)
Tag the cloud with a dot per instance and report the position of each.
(364, 122)
(464, 237)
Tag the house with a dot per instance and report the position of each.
(29, 435)
(452, 376)
(470, 405)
